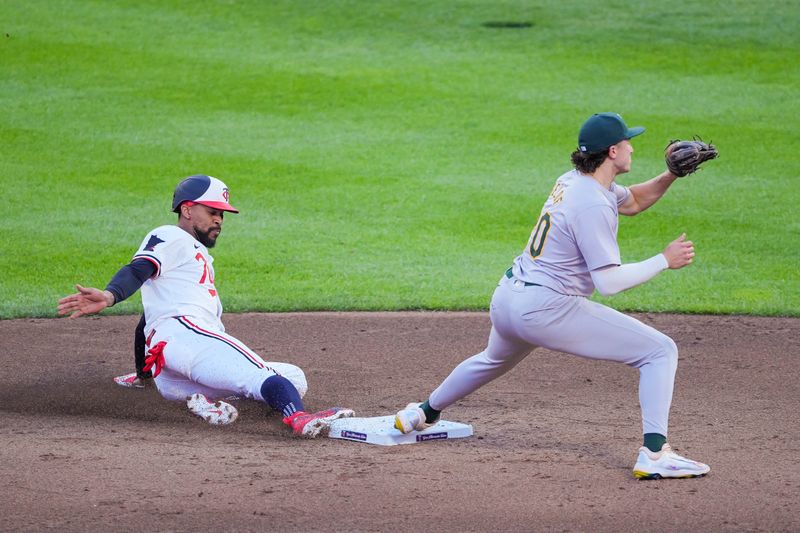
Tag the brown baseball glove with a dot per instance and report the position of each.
(684, 157)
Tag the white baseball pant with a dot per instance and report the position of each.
(201, 359)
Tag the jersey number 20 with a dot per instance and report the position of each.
(539, 235)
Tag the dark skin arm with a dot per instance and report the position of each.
(87, 301)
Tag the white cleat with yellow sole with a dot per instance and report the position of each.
(666, 464)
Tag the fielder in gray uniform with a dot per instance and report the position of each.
(542, 300)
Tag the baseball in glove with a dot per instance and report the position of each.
(684, 157)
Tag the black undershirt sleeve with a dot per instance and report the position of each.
(130, 278)
(139, 346)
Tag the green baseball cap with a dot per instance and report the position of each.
(602, 130)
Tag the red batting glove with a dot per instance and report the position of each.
(155, 358)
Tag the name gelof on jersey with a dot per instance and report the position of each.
(557, 194)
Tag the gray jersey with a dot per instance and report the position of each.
(576, 233)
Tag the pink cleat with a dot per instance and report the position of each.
(311, 425)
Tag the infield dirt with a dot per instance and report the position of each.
(554, 443)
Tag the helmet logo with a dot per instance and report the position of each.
(225, 194)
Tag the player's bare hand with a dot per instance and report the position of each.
(87, 301)
(679, 252)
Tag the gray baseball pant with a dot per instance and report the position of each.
(526, 317)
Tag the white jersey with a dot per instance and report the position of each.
(183, 284)
(576, 233)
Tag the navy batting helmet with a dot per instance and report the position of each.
(202, 189)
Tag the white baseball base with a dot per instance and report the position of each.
(380, 430)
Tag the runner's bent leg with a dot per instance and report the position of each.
(220, 362)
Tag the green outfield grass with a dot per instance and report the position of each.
(391, 155)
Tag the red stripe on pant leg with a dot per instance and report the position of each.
(251, 357)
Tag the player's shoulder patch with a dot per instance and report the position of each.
(163, 237)
(165, 246)
(152, 243)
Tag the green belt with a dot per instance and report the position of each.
(510, 274)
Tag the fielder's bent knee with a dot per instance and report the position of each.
(667, 350)
(671, 349)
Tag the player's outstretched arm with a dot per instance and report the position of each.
(125, 282)
(645, 194)
(613, 279)
(87, 301)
